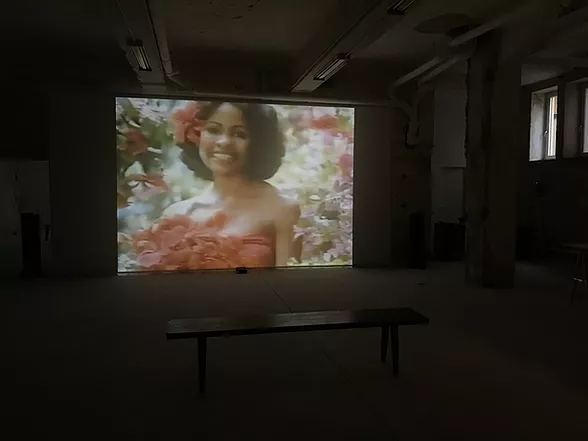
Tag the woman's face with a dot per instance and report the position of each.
(224, 141)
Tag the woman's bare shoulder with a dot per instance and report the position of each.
(287, 209)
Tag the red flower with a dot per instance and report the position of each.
(136, 142)
(179, 243)
(187, 124)
(325, 122)
(346, 164)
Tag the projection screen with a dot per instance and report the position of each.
(213, 184)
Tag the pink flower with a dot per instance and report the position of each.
(326, 122)
(346, 164)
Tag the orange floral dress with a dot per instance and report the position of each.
(179, 243)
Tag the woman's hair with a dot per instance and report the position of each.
(266, 144)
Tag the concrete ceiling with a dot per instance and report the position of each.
(404, 43)
(67, 22)
(206, 37)
(279, 26)
(62, 41)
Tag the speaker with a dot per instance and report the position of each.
(417, 250)
(30, 227)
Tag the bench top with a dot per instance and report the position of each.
(575, 246)
(292, 322)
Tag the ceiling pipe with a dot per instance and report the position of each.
(418, 71)
(463, 54)
(450, 62)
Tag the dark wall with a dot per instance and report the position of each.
(371, 209)
(82, 162)
(83, 184)
(553, 194)
(554, 201)
(25, 131)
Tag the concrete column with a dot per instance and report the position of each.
(492, 162)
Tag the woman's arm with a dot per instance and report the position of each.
(285, 233)
(283, 246)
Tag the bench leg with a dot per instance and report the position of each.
(580, 273)
(394, 339)
(384, 343)
(202, 363)
(573, 291)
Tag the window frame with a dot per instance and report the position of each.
(582, 145)
(546, 90)
(546, 120)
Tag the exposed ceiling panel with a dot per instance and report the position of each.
(244, 25)
(223, 43)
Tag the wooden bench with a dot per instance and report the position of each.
(387, 319)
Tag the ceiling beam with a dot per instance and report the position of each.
(133, 20)
(351, 27)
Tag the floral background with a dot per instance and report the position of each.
(316, 171)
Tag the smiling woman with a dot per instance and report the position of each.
(249, 133)
(236, 146)
(223, 185)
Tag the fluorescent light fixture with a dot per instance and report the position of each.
(400, 7)
(332, 68)
(140, 55)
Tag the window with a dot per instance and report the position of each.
(543, 125)
(585, 123)
(551, 125)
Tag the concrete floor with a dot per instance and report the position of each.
(87, 359)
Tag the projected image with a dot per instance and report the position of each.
(209, 185)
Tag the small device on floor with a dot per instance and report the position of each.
(241, 270)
